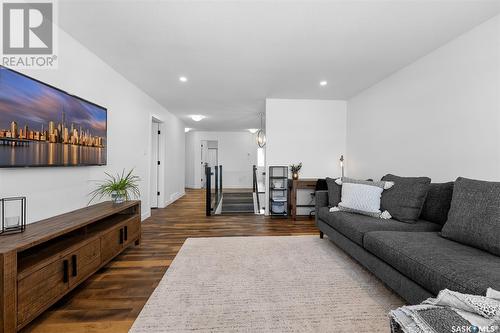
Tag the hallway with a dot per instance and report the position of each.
(111, 299)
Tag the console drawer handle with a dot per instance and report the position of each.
(65, 271)
(121, 236)
(74, 265)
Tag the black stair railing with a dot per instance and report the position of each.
(256, 187)
(213, 188)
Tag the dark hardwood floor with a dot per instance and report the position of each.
(110, 300)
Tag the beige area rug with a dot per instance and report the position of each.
(266, 284)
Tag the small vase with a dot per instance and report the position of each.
(295, 175)
(117, 198)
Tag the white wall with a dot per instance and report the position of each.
(52, 191)
(439, 117)
(237, 154)
(309, 131)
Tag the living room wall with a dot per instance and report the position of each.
(237, 153)
(52, 191)
(309, 131)
(439, 116)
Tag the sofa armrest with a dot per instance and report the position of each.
(321, 200)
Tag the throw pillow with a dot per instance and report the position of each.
(361, 197)
(334, 192)
(438, 202)
(474, 217)
(406, 198)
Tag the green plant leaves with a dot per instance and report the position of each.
(123, 184)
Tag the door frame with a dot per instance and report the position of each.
(161, 158)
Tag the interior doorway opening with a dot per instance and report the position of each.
(209, 157)
(156, 161)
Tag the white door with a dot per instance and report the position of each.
(204, 153)
(212, 157)
(155, 137)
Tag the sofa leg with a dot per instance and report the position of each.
(321, 234)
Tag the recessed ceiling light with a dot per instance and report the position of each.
(323, 83)
(197, 117)
(187, 129)
(253, 130)
(183, 79)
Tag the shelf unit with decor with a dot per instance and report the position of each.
(278, 191)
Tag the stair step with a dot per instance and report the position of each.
(238, 203)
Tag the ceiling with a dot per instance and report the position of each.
(237, 53)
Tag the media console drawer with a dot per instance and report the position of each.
(38, 289)
(54, 256)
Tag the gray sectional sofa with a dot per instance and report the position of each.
(412, 258)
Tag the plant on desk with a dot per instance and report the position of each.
(119, 188)
(295, 170)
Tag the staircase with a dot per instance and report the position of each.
(238, 203)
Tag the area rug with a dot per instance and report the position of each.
(266, 284)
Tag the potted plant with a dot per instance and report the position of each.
(121, 187)
(295, 170)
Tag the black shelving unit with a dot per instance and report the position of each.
(278, 191)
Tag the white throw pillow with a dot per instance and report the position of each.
(362, 197)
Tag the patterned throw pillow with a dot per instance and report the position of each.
(362, 197)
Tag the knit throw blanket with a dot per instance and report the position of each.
(450, 312)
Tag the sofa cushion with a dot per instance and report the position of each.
(437, 204)
(436, 263)
(334, 192)
(405, 199)
(474, 217)
(354, 226)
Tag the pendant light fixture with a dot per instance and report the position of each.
(261, 135)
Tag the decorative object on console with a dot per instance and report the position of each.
(13, 213)
(342, 164)
(295, 170)
(119, 188)
(261, 134)
(362, 197)
(406, 198)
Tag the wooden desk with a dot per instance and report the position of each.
(300, 184)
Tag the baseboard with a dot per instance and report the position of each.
(174, 197)
(146, 215)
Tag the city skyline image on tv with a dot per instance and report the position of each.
(43, 126)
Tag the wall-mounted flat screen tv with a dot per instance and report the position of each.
(44, 126)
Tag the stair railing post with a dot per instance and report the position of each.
(216, 170)
(208, 202)
(253, 179)
(220, 178)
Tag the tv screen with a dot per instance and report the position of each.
(43, 126)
